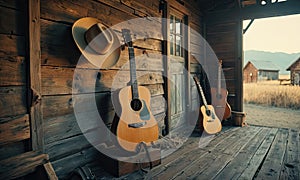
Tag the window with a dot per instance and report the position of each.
(176, 36)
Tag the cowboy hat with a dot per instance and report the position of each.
(98, 43)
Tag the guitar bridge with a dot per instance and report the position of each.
(137, 125)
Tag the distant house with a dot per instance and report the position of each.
(295, 72)
(260, 70)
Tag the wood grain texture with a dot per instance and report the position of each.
(13, 101)
(62, 105)
(223, 38)
(15, 24)
(51, 46)
(143, 8)
(53, 131)
(12, 71)
(234, 153)
(63, 11)
(35, 90)
(12, 149)
(274, 160)
(57, 80)
(14, 4)
(64, 166)
(52, 125)
(57, 45)
(237, 165)
(14, 129)
(208, 165)
(259, 155)
(54, 106)
(58, 150)
(59, 49)
(290, 168)
(22, 164)
(50, 171)
(12, 45)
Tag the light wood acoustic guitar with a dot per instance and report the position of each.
(210, 121)
(136, 123)
(219, 98)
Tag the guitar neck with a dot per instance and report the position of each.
(201, 92)
(219, 78)
(133, 78)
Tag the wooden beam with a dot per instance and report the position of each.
(284, 8)
(248, 26)
(258, 11)
(178, 6)
(50, 171)
(239, 67)
(34, 55)
(187, 64)
(166, 63)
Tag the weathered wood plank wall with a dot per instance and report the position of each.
(225, 39)
(59, 59)
(14, 117)
(63, 139)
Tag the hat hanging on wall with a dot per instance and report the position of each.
(98, 43)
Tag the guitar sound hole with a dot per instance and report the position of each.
(219, 96)
(208, 113)
(136, 104)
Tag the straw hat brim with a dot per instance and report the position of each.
(99, 60)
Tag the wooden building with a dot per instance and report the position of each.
(295, 72)
(38, 60)
(260, 70)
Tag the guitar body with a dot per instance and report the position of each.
(219, 101)
(210, 121)
(135, 126)
(219, 98)
(211, 124)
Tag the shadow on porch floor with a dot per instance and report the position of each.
(248, 152)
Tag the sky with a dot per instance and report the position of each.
(279, 34)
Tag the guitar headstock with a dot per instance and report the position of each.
(220, 62)
(127, 37)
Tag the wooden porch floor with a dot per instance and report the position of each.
(249, 152)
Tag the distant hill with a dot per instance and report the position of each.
(282, 60)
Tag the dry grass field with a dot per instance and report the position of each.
(271, 93)
(268, 103)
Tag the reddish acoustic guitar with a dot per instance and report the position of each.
(219, 98)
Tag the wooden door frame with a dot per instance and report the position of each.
(166, 8)
(34, 75)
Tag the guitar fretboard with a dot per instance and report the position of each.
(201, 91)
(133, 78)
(219, 78)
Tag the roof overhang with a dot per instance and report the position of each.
(255, 11)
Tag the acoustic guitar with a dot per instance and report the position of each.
(219, 98)
(210, 121)
(136, 124)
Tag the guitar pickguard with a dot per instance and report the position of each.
(145, 113)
